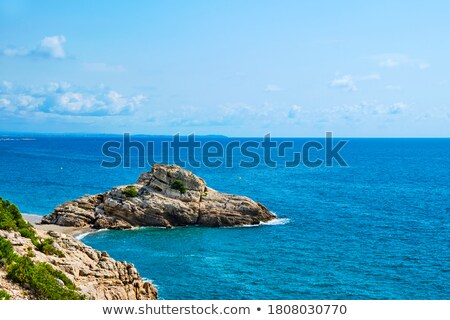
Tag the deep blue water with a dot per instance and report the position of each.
(378, 229)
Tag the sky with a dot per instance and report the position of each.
(237, 68)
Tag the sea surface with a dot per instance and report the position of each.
(377, 229)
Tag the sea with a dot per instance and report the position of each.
(378, 228)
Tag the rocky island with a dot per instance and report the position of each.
(165, 197)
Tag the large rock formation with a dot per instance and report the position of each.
(95, 274)
(167, 196)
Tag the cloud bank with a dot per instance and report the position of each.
(51, 47)
(64, 99)
(394, 60)
(348, 82)
(273, 88)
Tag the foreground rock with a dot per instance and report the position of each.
(95, 274)
(167, 196)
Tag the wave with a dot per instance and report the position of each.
(154, 284)
(273, 222)
(150, 280)
(239, 226)
(84, 234)
(149, 227)
(17, 139)
(276, 222)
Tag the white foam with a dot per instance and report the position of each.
(248, 225)
(276, 222)
(146, 227)
(273, 222)
(82, 235)
(17, 139)
(238, 226)
(150, 280)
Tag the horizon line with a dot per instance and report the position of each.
(15, 133)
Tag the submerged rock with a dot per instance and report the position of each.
(167, 196)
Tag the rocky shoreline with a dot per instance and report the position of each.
(96, 275)
(167, 196)
(75, 232)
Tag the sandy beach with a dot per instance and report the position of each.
(73, 231)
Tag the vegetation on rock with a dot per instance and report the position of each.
(12, 220)
(4, 295)
(130, 191)
(44, 281)
(178, 185)
(46, 246)
(168, 196)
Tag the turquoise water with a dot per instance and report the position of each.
(378, 229)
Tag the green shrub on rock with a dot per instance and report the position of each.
(46, 282)
(46, 246)
(12, 220)
(4, 295)
(7, 254)
(130, 191)
(41, 278)
(178, 185)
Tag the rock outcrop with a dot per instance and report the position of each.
(167, 196)
(95, 274)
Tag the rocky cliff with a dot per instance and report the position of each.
(94, 273)
(167, 196)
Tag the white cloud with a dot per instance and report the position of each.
(273, 88)
(53, 47)
(64, 99)
(295, 111)
(49, 47)
(371, 76)
(237, 114)
(58, 86)
(394, 60)
(102, 67)
(393, 87)
(5, 86)
(389, 62)
(14, 52)
(363, 110)
(345, 82)
(231, 114)
(348, 82)
(395, 108)
(5, 104)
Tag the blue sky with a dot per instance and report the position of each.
(238, 68)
